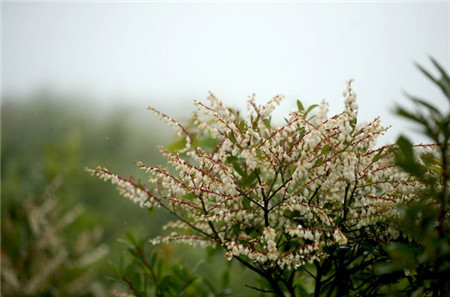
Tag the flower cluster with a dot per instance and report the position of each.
(274, 195)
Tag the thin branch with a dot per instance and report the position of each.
(278, 189)
(131, 287)
(185, 221)
(258, 289)
(314, 194)
(307, 271)
(248, 197)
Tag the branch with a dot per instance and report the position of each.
(258, 289)
(279, 188)
(314, 194)
(248, 197)
(138, 249)
(131, 287)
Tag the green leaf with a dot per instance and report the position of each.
(242, 126)
(250, 179)
(232, 136)
(443, 83)
(319, 161)
(208, 142)
(406, 114)
(190, 196)
(125, 242)
(180, 271)
(176, 145)
(378, 155)
(300, 105)
(210, 286)
(440, 68)
(425, 104)
(325, 149)
(153, 259)
(328, 205)
(267, 123)
(129, 271)
(226, 279)
(385, 268)
(168, 284)
(131, 238)
(115, 269)
(310, 108)
(445, 79)
(134, 253)
(406, 159)
(406, 147)
(197, 266)
(159, 268)
(235, 162)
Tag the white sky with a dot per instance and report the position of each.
(168, 54)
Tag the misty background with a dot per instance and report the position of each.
(168, 54)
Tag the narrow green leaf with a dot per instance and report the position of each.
(190, 196)
(176, 145)
(235, 162)
(197, 266)
(444, 82)
(425, 104)
(300, 106)
(232, 136)
(115, 269)
(131, 238)
(385, 268)
(208, 142)
(427, 74)
(125, 242)
(226, 279)
(406, 114)
(242, 126)
(153, 259)
(210, 286)
(248, 181)
(405, 146)
(378, 155)
(325, 149)
(319, 161)
(195, 143)
(440, 68)
(311, 108)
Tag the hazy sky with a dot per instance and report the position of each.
(168, 54)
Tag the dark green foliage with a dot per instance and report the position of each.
(152, 272)
(46, 138)
(425, 258)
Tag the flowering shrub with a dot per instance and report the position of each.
(43, 252)
(315, 190)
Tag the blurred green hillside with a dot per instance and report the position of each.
(47, 136)
(50, 137)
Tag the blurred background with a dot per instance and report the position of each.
(77, 78)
